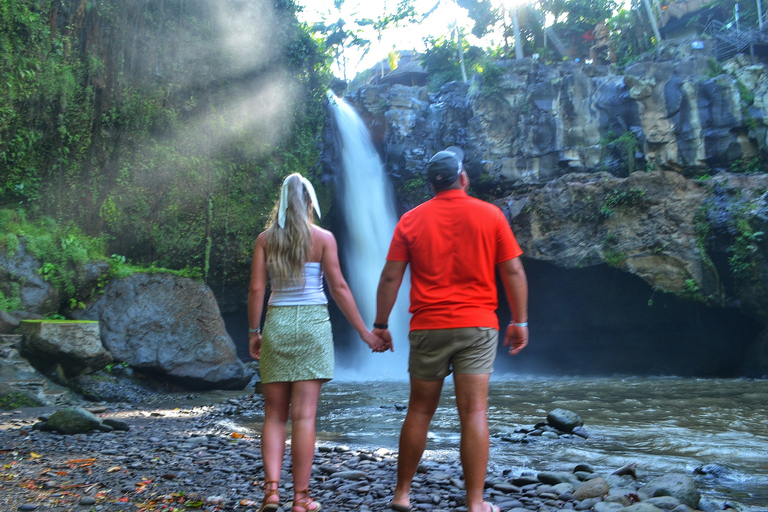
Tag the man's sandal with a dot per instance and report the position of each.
(270, 489)
(302, 501)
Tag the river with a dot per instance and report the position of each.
(665, 424)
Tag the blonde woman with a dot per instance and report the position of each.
(295, 349)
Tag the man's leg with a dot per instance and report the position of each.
(425, 396)
(472, 404)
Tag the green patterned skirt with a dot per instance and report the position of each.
(297, 344)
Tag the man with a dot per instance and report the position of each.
(453, 243)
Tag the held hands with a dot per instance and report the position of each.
(386, 337)
(254, 345)
(516, 338)
(375, 341)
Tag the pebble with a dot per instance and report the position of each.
(156, 461)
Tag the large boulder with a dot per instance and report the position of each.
(680, 486)
(22, 384)
(171, 327)
(19, 276)
(72, 345)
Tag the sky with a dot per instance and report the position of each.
(406, 38)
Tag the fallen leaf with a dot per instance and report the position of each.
(81, 461)
(114, 469)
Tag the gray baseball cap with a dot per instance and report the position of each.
(445, 166)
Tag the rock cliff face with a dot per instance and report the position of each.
(658, 172)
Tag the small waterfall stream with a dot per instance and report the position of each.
(367, 202)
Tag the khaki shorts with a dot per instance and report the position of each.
(437, 352)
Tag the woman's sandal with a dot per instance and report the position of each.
(306, 503)
(268, 493)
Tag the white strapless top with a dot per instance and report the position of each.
(310, 294)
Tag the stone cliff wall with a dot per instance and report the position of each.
(658, 172)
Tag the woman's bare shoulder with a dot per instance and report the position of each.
(322, 234)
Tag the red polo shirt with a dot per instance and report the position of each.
(453, 243)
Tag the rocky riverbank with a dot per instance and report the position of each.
(198, 457)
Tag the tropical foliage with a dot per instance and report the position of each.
(162, 129)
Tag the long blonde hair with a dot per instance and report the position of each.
(288, 247)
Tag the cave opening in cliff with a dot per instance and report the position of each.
(602, 321)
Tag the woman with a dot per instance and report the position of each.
(296, 350)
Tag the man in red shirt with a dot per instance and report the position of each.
(454, 244)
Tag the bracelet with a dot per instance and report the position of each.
(380, 326)
(519, 324)
(254, 331)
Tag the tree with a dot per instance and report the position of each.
(352, 31)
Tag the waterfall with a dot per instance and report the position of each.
(367, 204)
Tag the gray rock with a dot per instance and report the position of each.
(73, 420)
(587, 504)
(640, 507)
(664, 502)
(20, 269)
(583, 467)
(8, 323)
(603, 506)
(349, 475)
(73, 345)
(170, 326)
(557, 477)
(23, 384)
(686, 508)
(680, 486)
(564, 420)
(594, 488)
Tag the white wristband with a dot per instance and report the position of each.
(519, 324)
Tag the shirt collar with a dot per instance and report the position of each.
(450, 193)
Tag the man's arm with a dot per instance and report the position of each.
(516, 288)
(389, 284)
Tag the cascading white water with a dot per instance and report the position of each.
(367, 203)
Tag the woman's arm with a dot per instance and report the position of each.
(339, 289)
(256, 292)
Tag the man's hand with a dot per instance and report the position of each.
(386, 336)
(516, 338)
(375, 341)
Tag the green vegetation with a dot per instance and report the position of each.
(742, 260)
(16, 400)
(692, 291)
(617, 199)
(152, 136)
(612, 257)
(623, 147)
(758, 164)
(62, 252)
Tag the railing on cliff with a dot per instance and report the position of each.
(731, 40)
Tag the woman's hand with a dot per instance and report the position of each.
(375, 342)
(254, 345)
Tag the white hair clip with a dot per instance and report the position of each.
(284, 200)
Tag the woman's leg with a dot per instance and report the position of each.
(277, 401)
(304, 398)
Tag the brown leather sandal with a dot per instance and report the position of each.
(302, 501)
(268, 493)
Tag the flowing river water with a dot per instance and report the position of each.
(664, 424)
